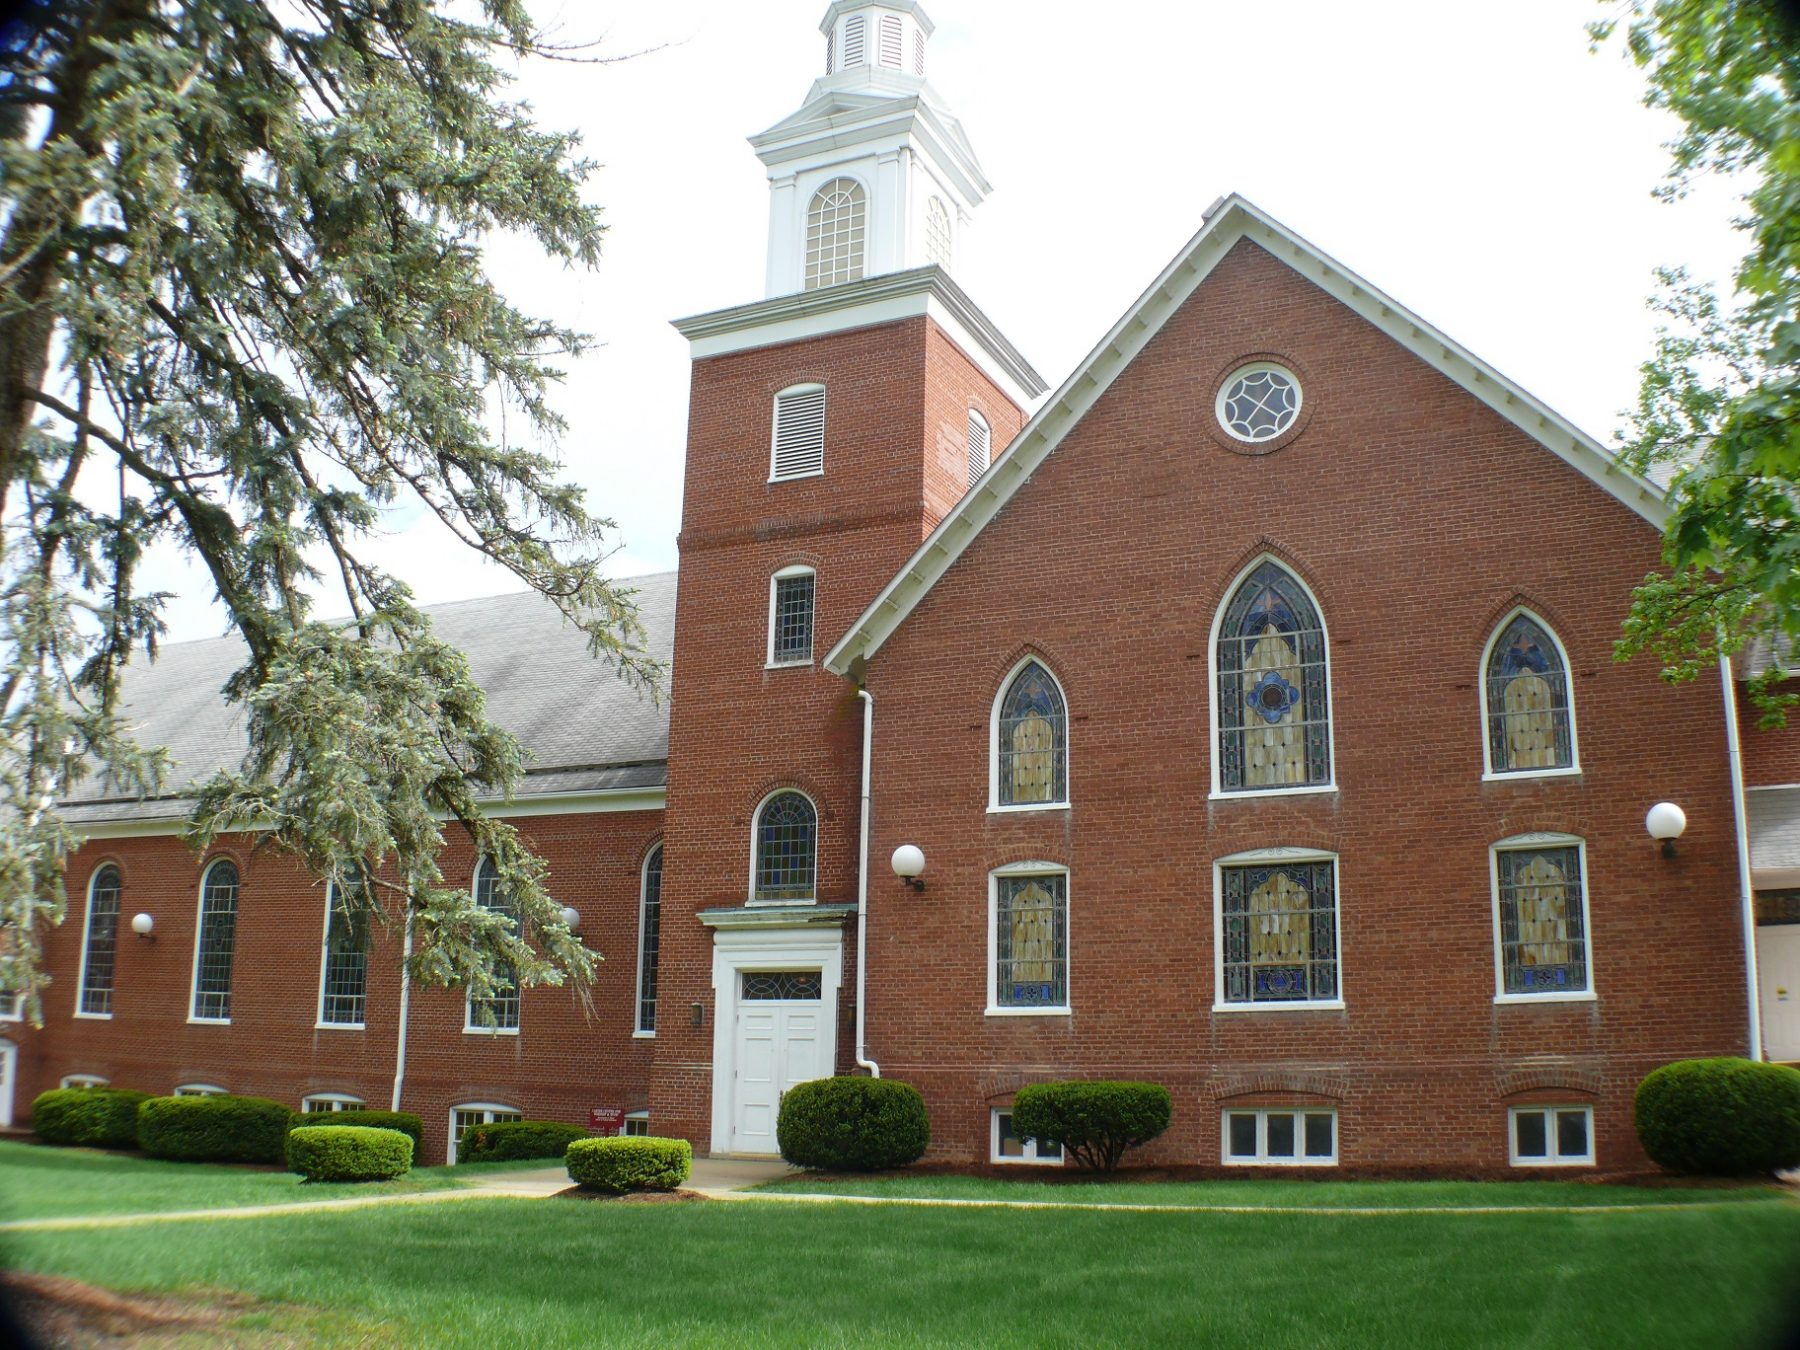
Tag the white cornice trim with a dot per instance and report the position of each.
(912, 7)
(1232, 220)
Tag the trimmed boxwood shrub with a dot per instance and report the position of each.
(506, 1140)
(404, 1121)
(853, 1124)
(1721, 1117)
(634, 1163)
(1094, 1122)
(348, 1153)
(214, 1129)
(96, 1117)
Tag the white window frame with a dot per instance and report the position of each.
(12, 1006)
(1029, 1158)
(756, 846)
(199, 1090)
(489, 1108)
(1488, 773)
(335, 1102)
(199, 931)
(638, 1031)
(775, 579)
(320, 1024)
(1036, 868)
(1541, 840)
(808, 387)
(1257, 368)
(83, 1080)
(1212, 687)
(87, 929)
(471, 1026)
(1554, 1158)
(1006, 683)
(1275, 855)
(632, 1118)
(1262, 1114)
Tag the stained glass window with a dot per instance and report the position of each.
(1033, 736)
(1280, 932)
(346, 959)
(1273, 701)
(102, 942)
(218, 939)
(649, 937)
(1259, 402)
(504, 1005)
(1031, 941)
(1543, 942)
(791, 624)
(1528, 701)
(783, 984)
(786, 848)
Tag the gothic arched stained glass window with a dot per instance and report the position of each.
(1031, 735)
(787, 830)
(1273, 696)
(1527, 682)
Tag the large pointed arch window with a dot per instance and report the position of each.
(500, 1012)
(1031, 741)
(787, 849)
(1530, 713)
(836, 233)
(649, 941)
(1273, 699)
(100, 947)
(215, 944)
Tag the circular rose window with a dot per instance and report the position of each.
(1259, 402)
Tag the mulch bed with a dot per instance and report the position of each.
(56, 1312)
(632, 1197)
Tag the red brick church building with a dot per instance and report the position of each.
(1244, 712)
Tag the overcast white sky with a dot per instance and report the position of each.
(1474, 161)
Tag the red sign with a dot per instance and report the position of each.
(606, 1118)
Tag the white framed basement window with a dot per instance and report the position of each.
(476, 1113)
(199, 1090)
(84, 1080)
(1550, 1136)
(1279, 1136)
(328, 1103)
(635, 1125)
(12, 1006)
(1004, 1146)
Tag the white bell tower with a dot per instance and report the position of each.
(874, 174)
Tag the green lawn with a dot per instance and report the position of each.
(1312, 1195)
(37, 1182)
(495, 1273)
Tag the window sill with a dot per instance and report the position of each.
(79, 1017)
(1530, 775)
(1321, 1005)
(1030, 1012)
(1219, 795)
(490, 1031)
(754, 903)
(796, 477)
(1281, 1162)
(643, 1035)
(1530, 1163)
(1587, 997)
(1026, 1162)
(208, 1021)
(788, 665)
(1026, 808)
(340, 1026)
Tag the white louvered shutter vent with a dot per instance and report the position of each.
(890, 41)
(831, 52)
(980, 438)
(799, 433)
(853, 41)
(918, 51)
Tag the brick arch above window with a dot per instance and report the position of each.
(1274, 1082)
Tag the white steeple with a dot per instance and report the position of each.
(873, 174)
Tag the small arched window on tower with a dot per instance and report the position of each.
(1273, 696)
(1530, 716)
(981, 440)
(836, 229)
(938, 239)
(853, 41)
(892, 45)
(1031, 746)
(786, 839)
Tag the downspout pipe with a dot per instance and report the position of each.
(862, 891)
(1746, 892)
(405, 1007)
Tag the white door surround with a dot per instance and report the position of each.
(778, 1042)
(9, 1079)
(1778, 978)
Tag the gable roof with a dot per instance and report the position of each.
(1230, 220)
(585, 730)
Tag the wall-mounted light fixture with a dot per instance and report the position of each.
(144, 926)
(571, 918)
(909, 863)
(1665, 821)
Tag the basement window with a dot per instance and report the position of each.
(1280, 1137)
(1005, 1146)
(1551, 1136)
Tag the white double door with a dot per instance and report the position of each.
(780, 1041)
(1778, 959)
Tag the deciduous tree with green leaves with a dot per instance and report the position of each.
(1719, 404)
(243, 308)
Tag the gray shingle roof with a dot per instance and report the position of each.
(585, 729)
(1774, 834)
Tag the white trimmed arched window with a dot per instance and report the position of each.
(1272, 686)
(1029, 741)
(792, 593)
(344, 964)
(836, 233)
(1527, 701)
(215, 942)
(499, 1014)
(939, 241)
(649, 938)
(100, 943)
(785, 853)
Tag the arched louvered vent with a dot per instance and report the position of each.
(918, 51)
(980, 444)
(890, 41)
(853, 41)
(799, 432)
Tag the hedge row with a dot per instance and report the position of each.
(94, 1117)
(507, 1140)
(215, 1129)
